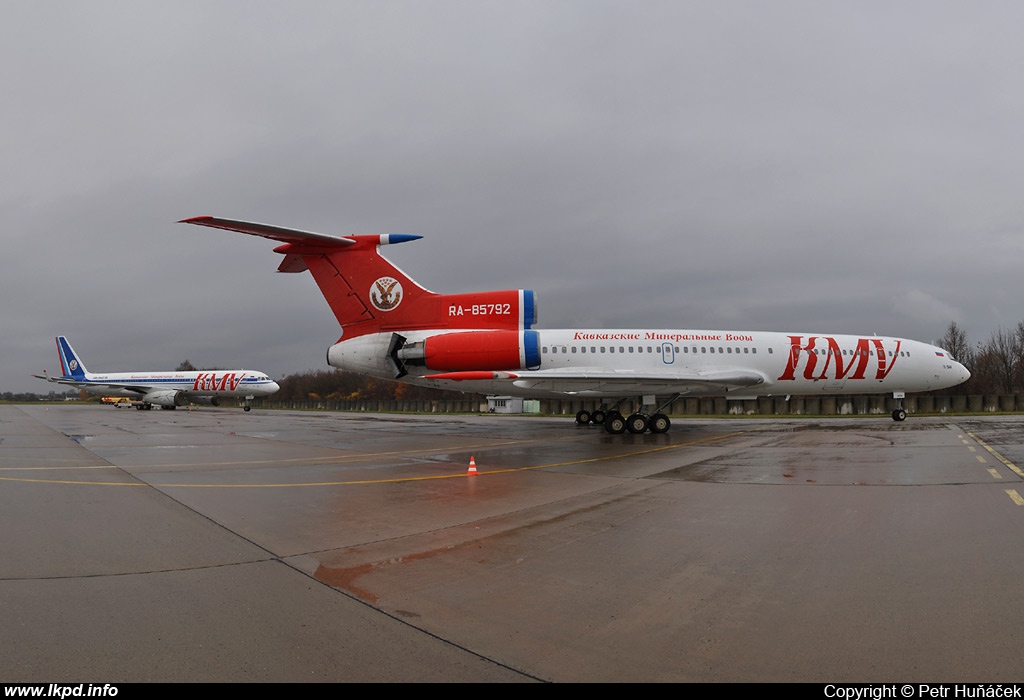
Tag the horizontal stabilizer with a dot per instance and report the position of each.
(275, 233)
(297, 236)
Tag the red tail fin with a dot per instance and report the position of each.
(368, 294)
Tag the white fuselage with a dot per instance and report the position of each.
(617, 363)
(212, 383)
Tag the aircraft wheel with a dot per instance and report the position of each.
(899, 415)
(659, 423)
(598, 417)
(583, 417)
(247, 408)
(615, 423)
(637, 423)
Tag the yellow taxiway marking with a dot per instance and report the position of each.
(1009, 465)
(995, 474)
(1015, 497)
(330, 459)
(57, 469)
(458, 475)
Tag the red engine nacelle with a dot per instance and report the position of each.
(475, 350)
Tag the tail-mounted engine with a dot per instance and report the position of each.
(467, 351)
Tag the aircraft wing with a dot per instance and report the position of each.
(109, 386)
(583, 382)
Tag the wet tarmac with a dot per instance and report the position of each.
(218, 545)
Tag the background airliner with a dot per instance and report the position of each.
(165, 389)
(484, 342)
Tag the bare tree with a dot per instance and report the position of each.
(955, 342)
(1003, 352)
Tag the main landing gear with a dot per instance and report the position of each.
(637, 423)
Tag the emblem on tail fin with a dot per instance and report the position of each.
(386, 294)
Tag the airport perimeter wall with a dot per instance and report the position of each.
(771, 405)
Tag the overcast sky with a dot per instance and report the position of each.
(853, 167)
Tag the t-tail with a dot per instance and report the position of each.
(384, 308)
(370, 295)
(70, 364)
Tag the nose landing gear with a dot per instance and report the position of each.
(899, 414)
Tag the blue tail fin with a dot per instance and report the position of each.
(70, 365)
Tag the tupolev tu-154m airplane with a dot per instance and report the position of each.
(484, 342)
(164, 389)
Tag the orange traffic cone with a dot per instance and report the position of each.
(472, 467)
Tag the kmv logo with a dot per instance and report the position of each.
(386, 294)
(208, 381)
(822, 357)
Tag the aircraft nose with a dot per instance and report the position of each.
(965, 373)
(272, 387)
